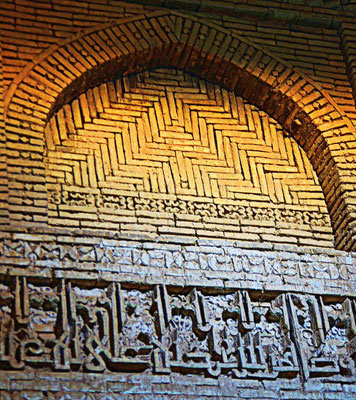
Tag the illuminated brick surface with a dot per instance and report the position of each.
(177, 200)
(164, 142)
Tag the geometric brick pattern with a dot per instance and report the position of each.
(168, 38)
(167, 132)
(166, 135)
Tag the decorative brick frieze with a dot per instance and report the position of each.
(177, 259)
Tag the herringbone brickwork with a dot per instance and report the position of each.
(166, 135)
(164, 38)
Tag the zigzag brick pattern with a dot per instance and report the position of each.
(170, 39)
(167, 153)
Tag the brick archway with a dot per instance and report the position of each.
(168, 38)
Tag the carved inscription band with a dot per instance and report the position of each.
(72, 325)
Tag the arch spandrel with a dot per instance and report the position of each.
(172, 39)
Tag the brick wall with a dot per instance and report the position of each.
(177, 200)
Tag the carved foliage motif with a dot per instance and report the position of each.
(84, 326)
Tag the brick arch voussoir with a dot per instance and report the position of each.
(168, 38)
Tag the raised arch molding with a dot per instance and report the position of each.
(169, 38)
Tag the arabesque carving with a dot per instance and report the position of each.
(182, 206)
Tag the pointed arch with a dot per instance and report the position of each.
(167, 38)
